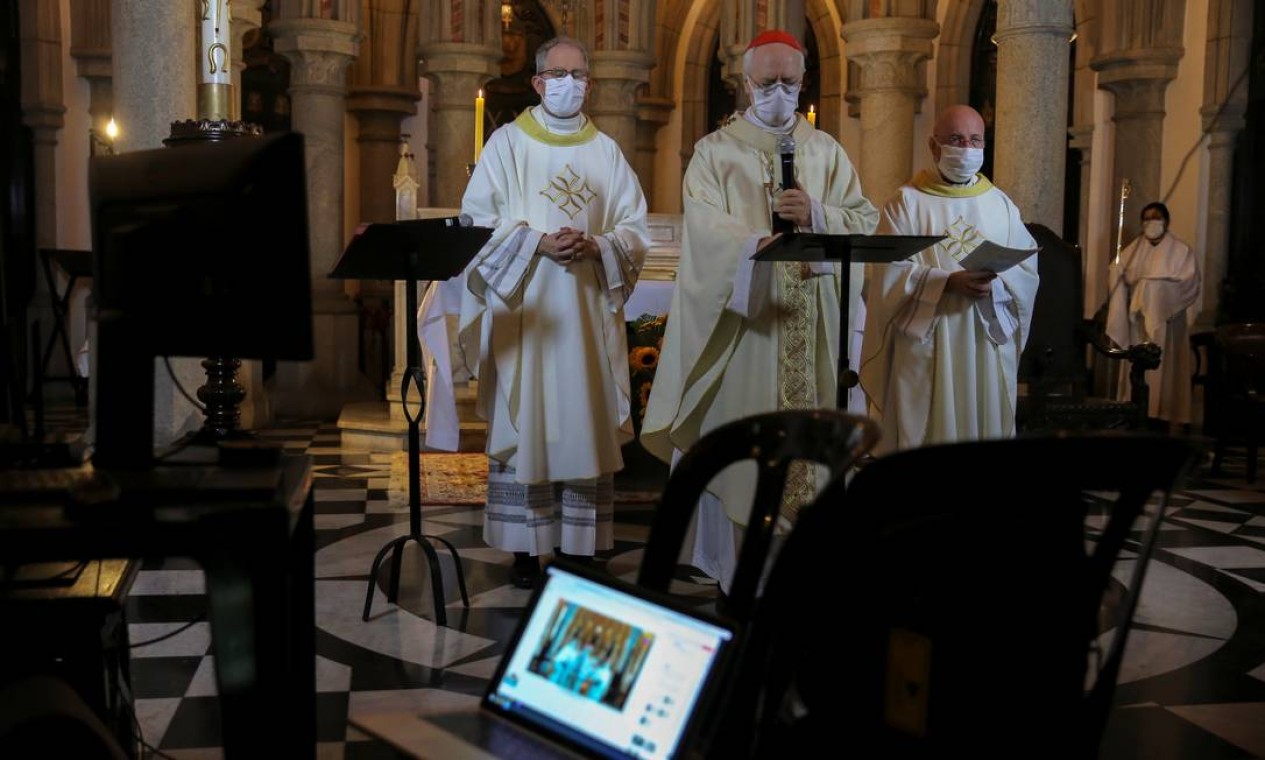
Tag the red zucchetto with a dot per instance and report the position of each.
(771, 36)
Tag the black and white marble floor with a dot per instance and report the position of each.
(1192, 686)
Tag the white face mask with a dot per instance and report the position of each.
(564, 96)
(1153, 229)
(774, 105)
(960, 164)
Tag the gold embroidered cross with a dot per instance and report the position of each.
(569, 192)
(962, 238)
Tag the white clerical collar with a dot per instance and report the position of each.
(561, 125)
(785, 129)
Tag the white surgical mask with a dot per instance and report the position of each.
(774, 105)
(958, 165)
(564, 96)
(1153, 229)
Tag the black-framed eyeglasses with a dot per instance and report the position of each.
(579, 75)
(961, 141)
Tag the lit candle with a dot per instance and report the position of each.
(478, 126)
(111, 130)
(812, 115)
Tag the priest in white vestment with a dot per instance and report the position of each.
(744, 338)
(1152, 292)
(942, 344)
(542, 321)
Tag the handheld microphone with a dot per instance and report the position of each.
(786, 150)
(460, 220)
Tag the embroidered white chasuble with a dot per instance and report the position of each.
(940, 367)
(547, 342)
(1161, 283)
(746, 338)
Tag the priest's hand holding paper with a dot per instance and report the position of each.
(970, 284)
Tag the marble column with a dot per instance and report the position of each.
(1094, 288)
(612, 103)
(1138, 78)
(456, 70)
(155, 83)
(1217, 232)
(247, 18)
(319, 51)
(887, 52)
(740, 21)
(787, 15)
(1030, 149)
(42, 107)
(379, 111)
(1226, 59)
(90, 47)
(652, 115)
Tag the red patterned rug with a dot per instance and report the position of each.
(462, 480)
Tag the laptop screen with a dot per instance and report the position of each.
(607, 669)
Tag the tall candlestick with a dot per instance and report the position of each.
(478, 126)
(812, 115)
(214, 60)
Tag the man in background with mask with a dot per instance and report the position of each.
(942, 345)
(542, 318)
(1153, 291)
(745, 337)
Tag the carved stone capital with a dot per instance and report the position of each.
(1231, 120)
(887, 52)
(44, 119)
(1138, 76)
(456, 71)
(1082, 138)
(319, 51)
(652, 110)
(385, 98)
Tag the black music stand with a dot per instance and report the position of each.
(846, 249)
(75, 264)
(412, 250)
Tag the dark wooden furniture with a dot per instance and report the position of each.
(1055, 378)
(1234, 389)
(251, 529)
(971, 625)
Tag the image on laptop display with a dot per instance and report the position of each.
(606, 669)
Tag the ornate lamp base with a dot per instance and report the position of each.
(222, 395)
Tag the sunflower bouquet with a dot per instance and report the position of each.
(645, 339)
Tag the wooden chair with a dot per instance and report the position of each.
(1054, 379)
(949, 600)
(1234, 396)
(771, 442)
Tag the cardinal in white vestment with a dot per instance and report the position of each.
(743, 337)
(542, 321)
(942, 345)
(1152, 292)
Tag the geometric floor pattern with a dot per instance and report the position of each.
(1192, 685)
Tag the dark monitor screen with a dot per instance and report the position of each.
(202, 249)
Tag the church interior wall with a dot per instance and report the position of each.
(687, 31)
(1183, 129)
(1103, 208)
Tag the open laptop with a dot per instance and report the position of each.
(597, 668)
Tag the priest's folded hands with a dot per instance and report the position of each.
(567, 246)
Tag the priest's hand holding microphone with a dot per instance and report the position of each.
(792, 208)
